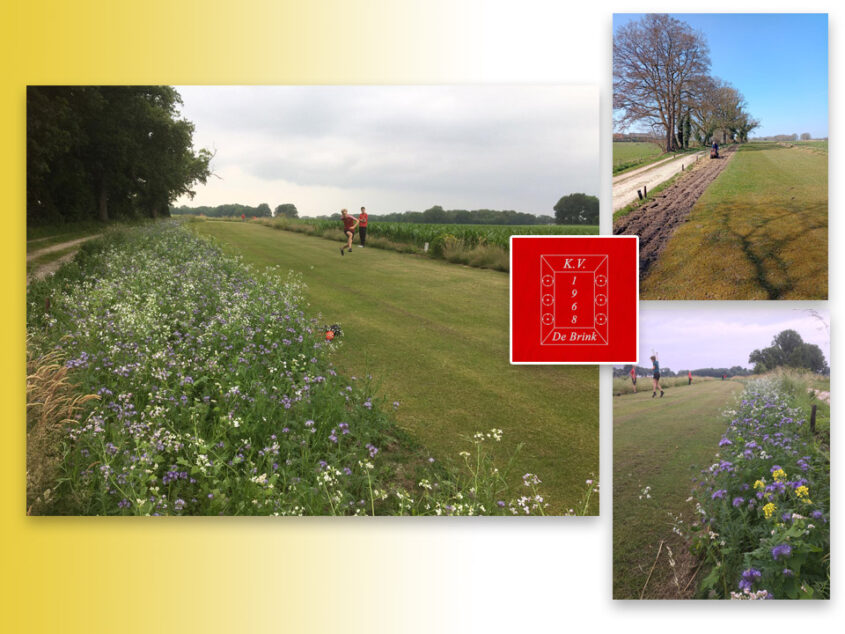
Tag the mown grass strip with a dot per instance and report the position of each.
(659, 443)
(760, 231)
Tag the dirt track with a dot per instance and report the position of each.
(656, 221)
(43, 270)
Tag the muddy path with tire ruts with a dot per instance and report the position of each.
(655, 221)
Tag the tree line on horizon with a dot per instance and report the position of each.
(105, 152)
(573, 209)
(736, 370)
(788, 350)
(661, 80)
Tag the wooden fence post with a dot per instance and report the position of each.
(813, 420)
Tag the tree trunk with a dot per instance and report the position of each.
(104, 204)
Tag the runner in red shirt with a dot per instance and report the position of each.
(349, 225)
(634, 377)
(689, 374)
(362, 227)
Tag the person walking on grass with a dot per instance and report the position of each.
(362, 227)
(634, 377)
(655, 377)
(689, 374)
(349, 226)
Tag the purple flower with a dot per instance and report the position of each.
(724, 442)
(748, 578)
(718, 494)
(781, 551)
(787, 572)
(738, 501)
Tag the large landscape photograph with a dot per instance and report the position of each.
(294, 300)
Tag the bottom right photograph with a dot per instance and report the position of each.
(721, 454)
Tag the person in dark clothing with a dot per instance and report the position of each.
(655, 377)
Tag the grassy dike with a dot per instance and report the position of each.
(435, 336)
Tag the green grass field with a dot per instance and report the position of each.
(435, 336)
(760, 231)
(819, 146)
(629, 155)
(662, 444)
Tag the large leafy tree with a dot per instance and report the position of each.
(105, 151)
(287, 210)
(577, 209)
(788, 349)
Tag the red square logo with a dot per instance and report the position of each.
(573, 299)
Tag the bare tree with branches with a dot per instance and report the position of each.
(656, 62)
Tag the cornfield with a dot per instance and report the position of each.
(470, 235)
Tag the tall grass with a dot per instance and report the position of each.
(53, 404)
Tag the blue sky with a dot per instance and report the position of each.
(779, 62)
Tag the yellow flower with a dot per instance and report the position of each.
(802, 492)
(768, 510)
(780, 474)
(759, 484)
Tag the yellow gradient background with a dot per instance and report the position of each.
(210, 574)
(315, 574)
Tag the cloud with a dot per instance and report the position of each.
(521, 147)
(716, 336)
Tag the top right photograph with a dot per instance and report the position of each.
(720, 153)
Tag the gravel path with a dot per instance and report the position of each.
(625, 185)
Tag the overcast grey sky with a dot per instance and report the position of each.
(396, 148)
(715, 336)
